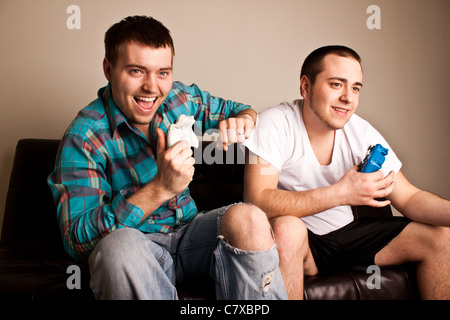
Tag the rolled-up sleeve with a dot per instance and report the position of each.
(208, 109)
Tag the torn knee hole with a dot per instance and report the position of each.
(267, 281)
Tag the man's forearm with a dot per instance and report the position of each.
(149, 198)
(277, 202)
(426, 207)
(419, 205)
(261, 188)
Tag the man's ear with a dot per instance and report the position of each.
(107, 69)
(305, 86)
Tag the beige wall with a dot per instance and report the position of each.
(247, 50)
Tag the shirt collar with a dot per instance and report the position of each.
(115, 116)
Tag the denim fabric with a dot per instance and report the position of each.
(247, 275)
(130, 264)
(127, 265)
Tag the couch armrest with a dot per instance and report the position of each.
(29, 198)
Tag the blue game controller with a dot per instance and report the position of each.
(374, 159)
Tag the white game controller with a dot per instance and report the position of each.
(182, 130)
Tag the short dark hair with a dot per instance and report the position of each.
(140, 29)
(312, 65)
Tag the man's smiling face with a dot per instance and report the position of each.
(141, 79)
(334, 96)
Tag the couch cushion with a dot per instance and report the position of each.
(396, 283)
(36, 271)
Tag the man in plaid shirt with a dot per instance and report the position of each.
(122, 196)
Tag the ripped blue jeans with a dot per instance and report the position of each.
(129, 264)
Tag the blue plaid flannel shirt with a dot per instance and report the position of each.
(102, 160)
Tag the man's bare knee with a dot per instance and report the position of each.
(289, 228)
(291, 236)
(439, 241)
(243, 217)
(246, 227)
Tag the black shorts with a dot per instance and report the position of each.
(355, 244)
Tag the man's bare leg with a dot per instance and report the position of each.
(429, 247)
(291, 237)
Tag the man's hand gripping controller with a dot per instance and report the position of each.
(374, 159)
(182, 130)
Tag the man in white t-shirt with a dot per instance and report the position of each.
(304, 162)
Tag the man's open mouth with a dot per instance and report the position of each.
(341, 111)
(145, 103)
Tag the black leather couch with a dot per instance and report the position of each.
(34, 266)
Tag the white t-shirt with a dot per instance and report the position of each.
(280, 138)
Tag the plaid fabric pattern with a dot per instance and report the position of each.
(102, 160)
